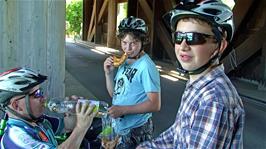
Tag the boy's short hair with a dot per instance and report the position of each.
(136, 35)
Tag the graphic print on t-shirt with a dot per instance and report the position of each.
(120, 83)
(130, 73)
(119, 87)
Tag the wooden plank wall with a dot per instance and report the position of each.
(161, 46)
(140, 8)
(33, 35)
(250, 35)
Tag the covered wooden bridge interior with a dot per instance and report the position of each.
(99, 27)
(33, 35)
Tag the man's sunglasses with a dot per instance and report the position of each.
(192, 38)
(37, 93)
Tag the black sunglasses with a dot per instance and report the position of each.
(37, 93)
(192, 38)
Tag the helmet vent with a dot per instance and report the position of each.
(22, 82)
(11, 77)
(210, 1)
(132, 24)
(212, 11)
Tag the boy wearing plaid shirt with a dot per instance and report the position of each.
(211, 114)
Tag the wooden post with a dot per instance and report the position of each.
(33, 35)
(112, 13)
(89, 37)
(153, 34)
(98, 26)
(146, 9)
(132, 7)
(87, 7)
(240, 11)
(263, 55)
(263, 61)
(99, 17)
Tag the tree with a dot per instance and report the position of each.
(74, 18)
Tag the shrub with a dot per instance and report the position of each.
(74, 17)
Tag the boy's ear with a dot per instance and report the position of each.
(223, 45)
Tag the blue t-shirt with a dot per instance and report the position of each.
(132, 83)
(20, 135)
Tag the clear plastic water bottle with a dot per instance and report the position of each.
(60, 105)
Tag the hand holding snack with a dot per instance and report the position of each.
(118, 61)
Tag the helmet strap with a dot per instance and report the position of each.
(218, 35)
(179, 68)
(200, 69)
(205, 66)
(18, 115)
(32, 117)
(28, 108)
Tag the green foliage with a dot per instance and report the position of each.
(74, 17)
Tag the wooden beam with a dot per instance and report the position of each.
(264, 61)
(153, 34)
(264, 45)
(240, 10)
(87, 5)
(166, 41)
(254, 36)
(112, 13)
(104, 6)
(258, 18)
(132, 8)
(146, 9)
(251, 45)
(168, 5)
(97, 26)
(121, 1)
(248, 48)
(92, 20)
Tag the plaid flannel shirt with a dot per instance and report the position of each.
(210, 116)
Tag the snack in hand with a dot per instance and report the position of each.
(119, 60)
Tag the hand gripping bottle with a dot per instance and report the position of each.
(60, 105)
